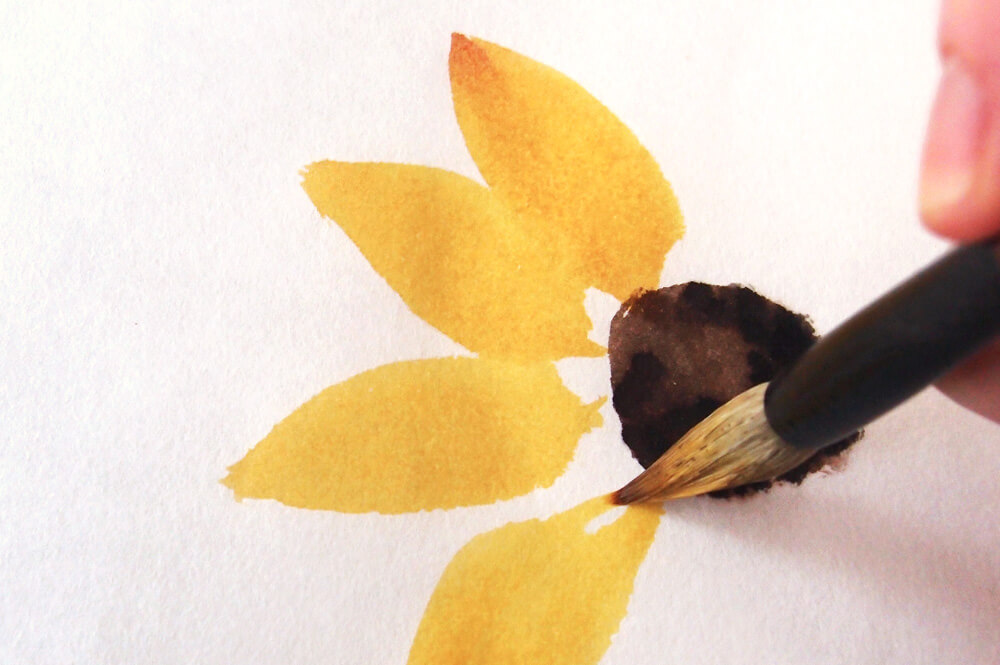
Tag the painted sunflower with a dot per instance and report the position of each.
(572, 202)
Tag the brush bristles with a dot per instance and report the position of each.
(734, 446)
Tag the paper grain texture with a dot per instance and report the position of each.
(170, 293)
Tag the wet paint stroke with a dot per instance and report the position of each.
(537, 591)
(572, 201)
(678, 353)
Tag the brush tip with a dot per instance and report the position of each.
(733, 446)
(619, 498)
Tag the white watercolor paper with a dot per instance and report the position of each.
(169, 293)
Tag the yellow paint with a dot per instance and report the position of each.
(536, 591)
(573, 200)
(419, 435)
(559, 158)
(454, 254)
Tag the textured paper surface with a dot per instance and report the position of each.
(170, 293)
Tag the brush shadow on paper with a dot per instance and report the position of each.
(891, 557)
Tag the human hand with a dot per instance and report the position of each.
(960, 174)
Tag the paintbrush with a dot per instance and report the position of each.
(868, 365)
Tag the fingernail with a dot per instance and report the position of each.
(954, 137)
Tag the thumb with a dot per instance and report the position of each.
(960, 174)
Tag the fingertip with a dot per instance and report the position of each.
(969, 220)
(960, 170)
(967, 30)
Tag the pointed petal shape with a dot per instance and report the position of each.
(419, 435)
(558, 156)
(451, 251)
(537, 591)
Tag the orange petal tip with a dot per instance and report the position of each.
(467, 59)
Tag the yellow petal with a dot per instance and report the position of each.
(419, 435)
(450, 250)
(536, 592)
(558, 156)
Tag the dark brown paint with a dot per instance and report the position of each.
(680, 352)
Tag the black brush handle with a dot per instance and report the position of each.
(889, 351)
